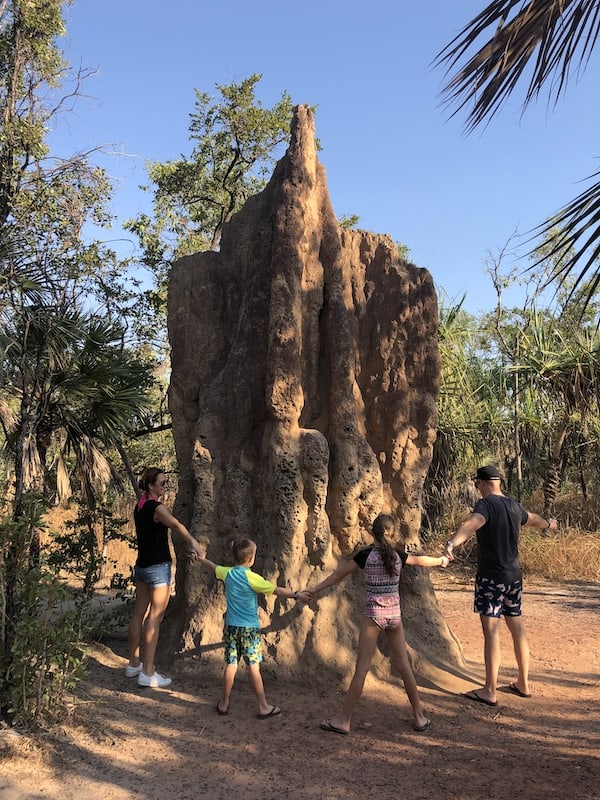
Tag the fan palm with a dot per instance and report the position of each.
(549, 39)
(471, 419)
(68, 391)
(73, 391)
(561, 370)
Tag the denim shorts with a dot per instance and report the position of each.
(156, 575)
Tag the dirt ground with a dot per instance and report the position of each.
(125, 743)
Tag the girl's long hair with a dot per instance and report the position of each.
(384, 529)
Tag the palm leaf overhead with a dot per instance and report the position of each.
(574, 237)
(556, 32)
(549, 41)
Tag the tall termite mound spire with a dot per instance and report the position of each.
(305, 372)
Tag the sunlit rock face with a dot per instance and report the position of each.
(305, 373)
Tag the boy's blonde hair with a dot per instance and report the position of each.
(243, 550)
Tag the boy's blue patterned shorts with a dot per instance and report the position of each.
(242, 643)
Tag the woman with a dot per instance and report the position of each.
(381, 563)
(152, 576)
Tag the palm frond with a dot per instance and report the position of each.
(8, 419)
(32, 463)
(548, 38)
(574, 239)
(63, 482)
(560, 32)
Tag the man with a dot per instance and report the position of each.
(497, 521)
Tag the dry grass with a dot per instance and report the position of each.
(567, 555)
(570, 554)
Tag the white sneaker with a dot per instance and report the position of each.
(132, 672)
(155, 681)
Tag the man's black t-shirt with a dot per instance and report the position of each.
(498, 538)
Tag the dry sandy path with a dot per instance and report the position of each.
(125, 743)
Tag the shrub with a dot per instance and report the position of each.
(44, 628)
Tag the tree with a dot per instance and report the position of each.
(235, 144)
(555, 36)
(71, 383)
(561, 365)
(52, 279)
(69, 391)
(473, 418)
(73, 389)
(509, 327)
(519, 386)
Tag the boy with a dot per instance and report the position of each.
(242, 631)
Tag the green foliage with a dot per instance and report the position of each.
(235, 145)
(48, 653)
(28, 58)
(471, 421)
(47, 627)
(74, 383)
(78, 388)
(519, 387)
(403, 251)
(80, 551)
(235, 142)
(348, 221)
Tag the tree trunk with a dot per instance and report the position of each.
(517, 434)
(553, 472)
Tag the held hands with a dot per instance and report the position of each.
(304, 596)
(311, 593)
(199, 549)
(447, 552)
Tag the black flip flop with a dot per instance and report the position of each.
(512, 687)
(472, 695)
(272, 713)
(326, 725)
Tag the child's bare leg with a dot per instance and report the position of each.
(397, 643)
(227, 685)
(256, 682)
(367, 641)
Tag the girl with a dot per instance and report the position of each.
(381, 564)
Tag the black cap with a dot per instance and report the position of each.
(488, 473)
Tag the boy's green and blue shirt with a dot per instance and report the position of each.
(242, 587)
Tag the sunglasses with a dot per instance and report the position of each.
(164, 483)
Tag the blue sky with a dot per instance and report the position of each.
(392, 155)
